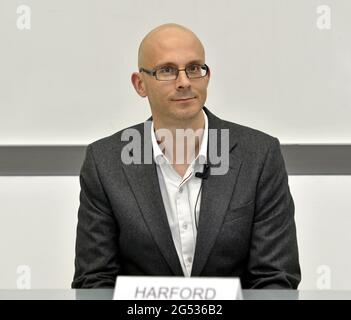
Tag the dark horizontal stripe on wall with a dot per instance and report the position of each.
(309, 159)
(67, 160)
(41, 160)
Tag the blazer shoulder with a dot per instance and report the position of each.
(114, 141)
(107, 150)
(251, 138)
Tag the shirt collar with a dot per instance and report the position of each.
(160, 158)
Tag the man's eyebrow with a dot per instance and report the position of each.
(160, 65)
(163, 64)
(195, 62)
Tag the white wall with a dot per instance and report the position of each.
(67, 81)
(37, 230)
(322, 211)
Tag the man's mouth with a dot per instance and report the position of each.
(184, 99)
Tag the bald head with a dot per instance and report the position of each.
(160, 37)
(176, 102)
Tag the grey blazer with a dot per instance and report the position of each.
(246, 225)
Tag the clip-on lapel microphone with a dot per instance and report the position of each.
(202, 175)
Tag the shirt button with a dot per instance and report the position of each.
(189, 259)
(180, 190)
(185, 226)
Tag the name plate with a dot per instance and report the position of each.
(177, 288)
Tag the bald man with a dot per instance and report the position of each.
(157, 200)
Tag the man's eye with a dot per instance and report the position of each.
(194, 68)
(167, 70)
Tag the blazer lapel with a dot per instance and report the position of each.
(143, 180)
(216, 194)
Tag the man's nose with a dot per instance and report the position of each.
(183, 81)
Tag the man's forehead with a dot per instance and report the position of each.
(173, 39)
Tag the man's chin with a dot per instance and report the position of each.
(185, 112)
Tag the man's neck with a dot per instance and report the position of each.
(186, 138)
(198, 122)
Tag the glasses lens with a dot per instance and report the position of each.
(196, 71)
(166, 73)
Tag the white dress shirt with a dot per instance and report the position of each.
(179, 196)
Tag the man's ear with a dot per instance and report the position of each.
(209, 73)
(138, 84)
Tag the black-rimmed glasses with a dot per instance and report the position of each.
(167, 73)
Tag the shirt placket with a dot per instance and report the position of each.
(185, 225)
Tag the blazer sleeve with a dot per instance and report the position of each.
(96, 260)
(273, 259)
